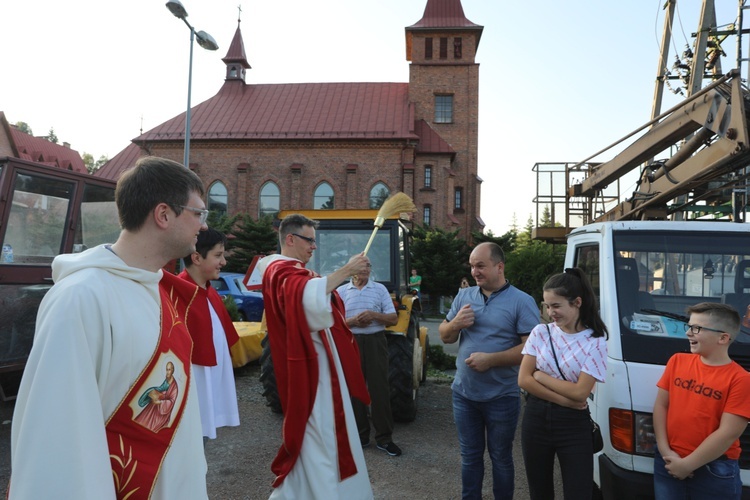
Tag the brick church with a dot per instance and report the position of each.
(261, 148)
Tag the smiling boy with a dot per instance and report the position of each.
(213, 334)
(701, 409)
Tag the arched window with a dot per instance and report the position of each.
(218, 198)
(323, 197)
(270, 199)
(378, 195)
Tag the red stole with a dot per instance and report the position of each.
(137, 450)
(199, 323)
(295, 361)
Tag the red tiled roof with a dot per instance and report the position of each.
(40, 150)
(120, 162)
(296, 111)
(429, 140)
(444, 14)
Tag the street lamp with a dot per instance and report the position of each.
(207, 42)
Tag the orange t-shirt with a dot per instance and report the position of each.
(698, 395)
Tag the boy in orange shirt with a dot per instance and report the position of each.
(702, 407)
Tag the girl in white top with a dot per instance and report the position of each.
(561, 363)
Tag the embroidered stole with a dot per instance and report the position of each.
(141, 429)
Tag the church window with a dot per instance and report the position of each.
(270, 199)
(443, 109)
(323, 197)
(218, 198)
(378, 194)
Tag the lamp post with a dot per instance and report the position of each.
(207, 42)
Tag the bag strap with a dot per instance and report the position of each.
(552, 346)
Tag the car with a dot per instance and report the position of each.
(249, 302)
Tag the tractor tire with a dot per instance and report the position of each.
(401, 360)
(268, 378)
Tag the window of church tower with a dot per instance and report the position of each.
(443, 109)
(378, 194)
(427, 215)
(270, 199)
(323, 198)
(458, 198)
(443, 48)
(428, 48)
(218, 198)
(457, 49)
(428, 176)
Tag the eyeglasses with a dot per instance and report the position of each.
(696, 329)
(311, 241)
(202, 211)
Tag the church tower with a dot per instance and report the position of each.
(444, 87)
(235, 59)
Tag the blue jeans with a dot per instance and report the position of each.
(717, 479)
(492, 423)
(548, 430)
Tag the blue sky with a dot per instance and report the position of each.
(558, 80)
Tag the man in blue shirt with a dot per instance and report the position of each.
(491, 322)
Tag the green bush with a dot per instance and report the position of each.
(231, 306)
(440, 360)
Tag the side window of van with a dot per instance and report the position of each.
(587, 258)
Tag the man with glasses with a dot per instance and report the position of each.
(316, 363)
(104, 333)
(369, 310)
(701, 410)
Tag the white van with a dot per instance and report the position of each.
(646, 273)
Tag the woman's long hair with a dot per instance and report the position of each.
(571, 284)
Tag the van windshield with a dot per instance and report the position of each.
(659, 274)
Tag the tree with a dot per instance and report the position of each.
(507, 241)
(441, 258)
(52, 137)
(529, 266)
(91, 165)
(250, 238)
(23, 127)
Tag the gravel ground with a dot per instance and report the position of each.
(239, 459)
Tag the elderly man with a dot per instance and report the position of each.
(369, 310)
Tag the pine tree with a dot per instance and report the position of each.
(250, 237)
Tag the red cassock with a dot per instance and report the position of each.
(296, 364)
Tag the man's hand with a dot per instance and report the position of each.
(464, 318)
(357, 264)
(479, 361)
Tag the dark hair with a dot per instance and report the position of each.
(151, 181)
(206, 241)
(723, 316)
(571, 284)
(293, 224)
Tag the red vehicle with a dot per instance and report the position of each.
(44, 211)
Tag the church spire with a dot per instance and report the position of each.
(236, 60)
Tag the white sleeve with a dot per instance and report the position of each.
(58, 441)
(317, 304)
